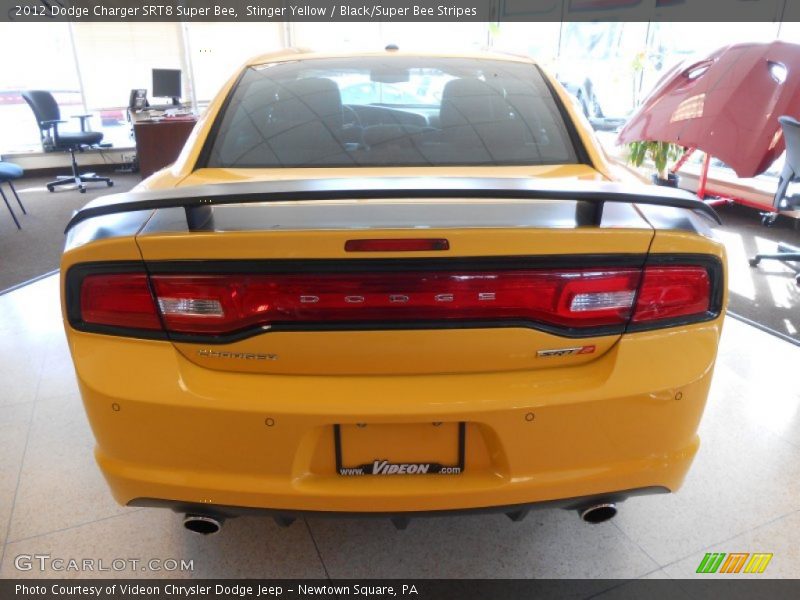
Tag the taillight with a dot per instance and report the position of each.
(585, 301)
(119, 300)
(671, 292)
(218, 304)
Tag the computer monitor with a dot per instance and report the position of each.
(167, 84)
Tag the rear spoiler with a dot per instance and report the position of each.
(198, 201)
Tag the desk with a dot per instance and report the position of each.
(158, 143)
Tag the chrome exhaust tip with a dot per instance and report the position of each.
(202, 524)
(598, 513)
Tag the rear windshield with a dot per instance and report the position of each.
(398, 111)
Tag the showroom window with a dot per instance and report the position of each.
(43, 60)
(612, 66)
(123, 54)
(375, 36)
(218, 49)
(115, 58)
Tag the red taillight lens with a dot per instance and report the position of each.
(225, 303)
(672, 292)
(581, 300)
(119, 300)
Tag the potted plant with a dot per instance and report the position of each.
(661, 154)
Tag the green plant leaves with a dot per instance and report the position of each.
(660, 153)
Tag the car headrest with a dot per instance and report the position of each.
(471, 101)
(313, 97)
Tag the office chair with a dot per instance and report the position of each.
(48, 116)
(9, 171)
(790, 174)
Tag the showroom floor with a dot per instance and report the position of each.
(768, 294)
(743, 494)
(43, 226)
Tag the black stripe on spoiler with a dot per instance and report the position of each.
(196, 200)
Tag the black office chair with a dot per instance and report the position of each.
(48, 116)
(790, 174)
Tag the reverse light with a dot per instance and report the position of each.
(191, 307)
(602, 301)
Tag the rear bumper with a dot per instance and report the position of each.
(514, 511)
(185, 436)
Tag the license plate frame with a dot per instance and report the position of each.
(386, 467)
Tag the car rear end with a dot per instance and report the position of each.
(314, 311)
(510, 355)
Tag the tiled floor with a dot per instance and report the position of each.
(743, 494)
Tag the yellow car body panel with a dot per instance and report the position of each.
(254, 441)
(175, 426)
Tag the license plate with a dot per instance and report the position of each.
(430, 449)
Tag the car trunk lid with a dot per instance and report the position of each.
(412, 286)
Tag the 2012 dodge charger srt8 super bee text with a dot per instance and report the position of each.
(394, 284)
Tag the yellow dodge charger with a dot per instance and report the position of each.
(394, 284)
